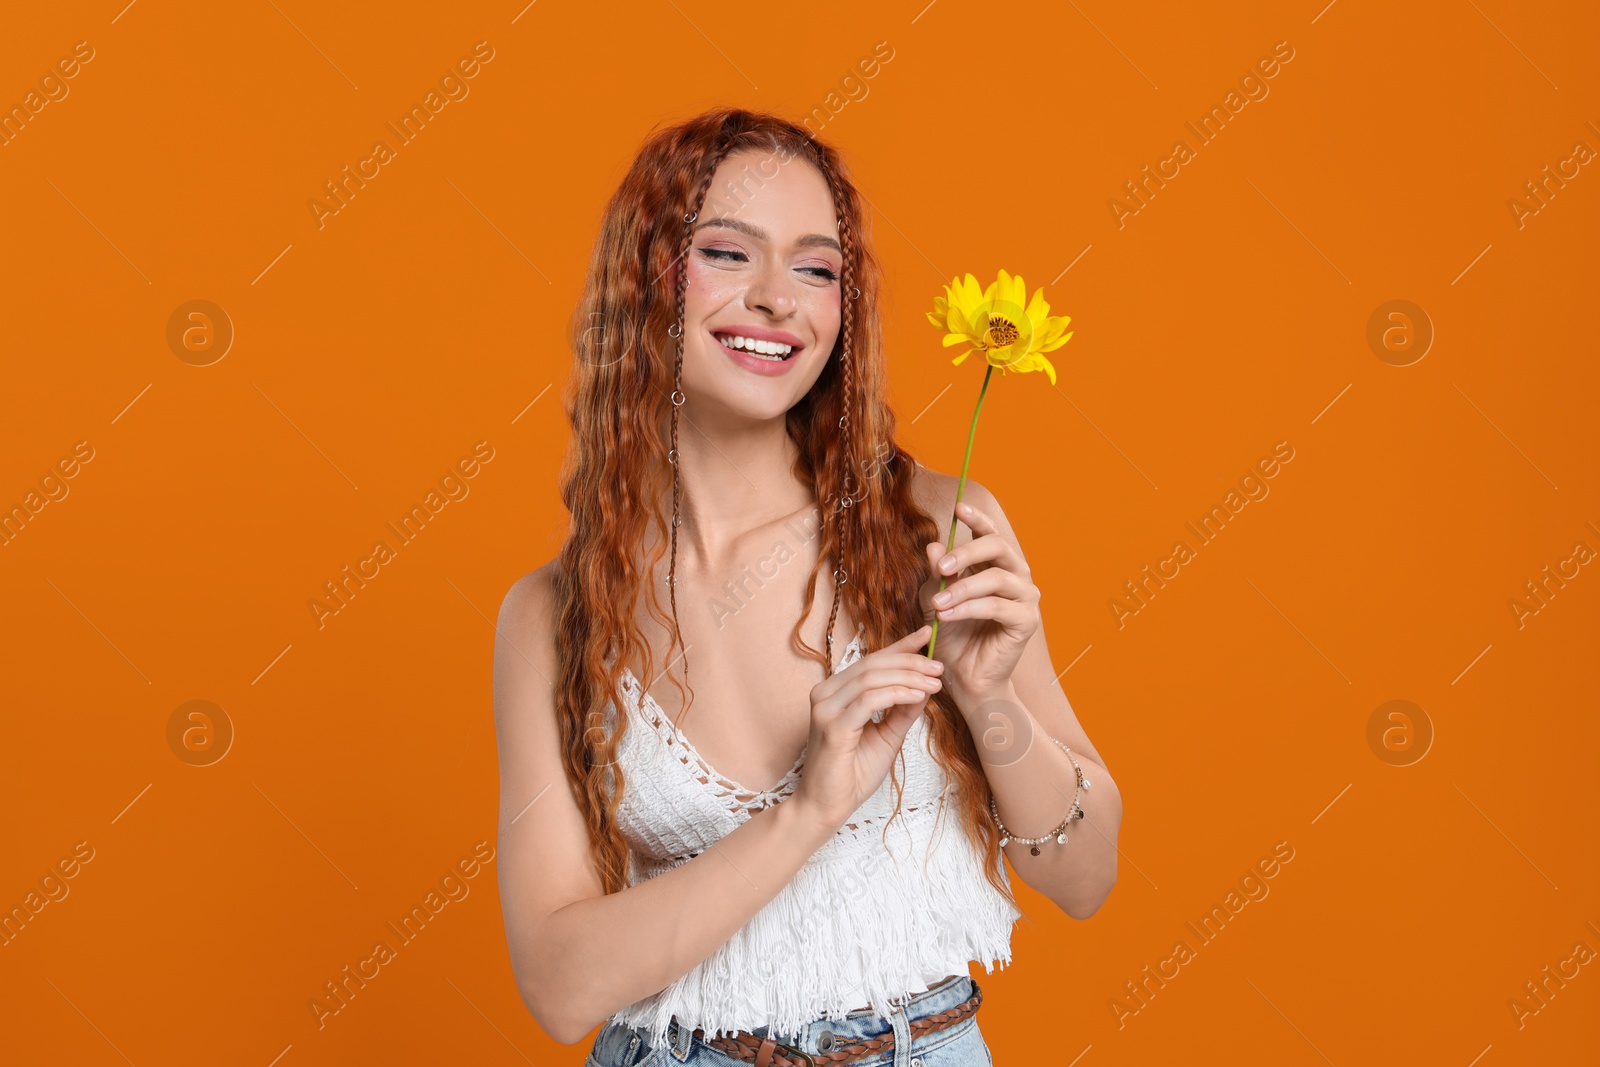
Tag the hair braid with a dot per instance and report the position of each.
(848, 299)
(691, 214)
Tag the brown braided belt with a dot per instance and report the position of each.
(765, 1052)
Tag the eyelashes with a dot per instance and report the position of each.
(726, 255)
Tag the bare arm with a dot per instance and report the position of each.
(579, 954)
(1011, 721)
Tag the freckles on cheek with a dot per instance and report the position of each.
(709, 289)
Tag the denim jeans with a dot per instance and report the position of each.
(961, 1045)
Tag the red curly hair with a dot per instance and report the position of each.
(618, 472)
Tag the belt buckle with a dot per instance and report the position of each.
(804, 1057)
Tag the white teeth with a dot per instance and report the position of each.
(771, 349)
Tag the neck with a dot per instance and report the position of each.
(735, 477)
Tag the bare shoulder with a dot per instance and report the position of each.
(524, 643)
(530, 602)
(935, 492)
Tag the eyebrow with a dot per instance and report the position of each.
(810, 240)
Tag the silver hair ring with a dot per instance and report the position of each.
(678, 398)
(691, 216)
(675, 330)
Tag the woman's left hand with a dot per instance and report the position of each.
(991, 613)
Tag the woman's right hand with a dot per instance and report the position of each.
(847, 754)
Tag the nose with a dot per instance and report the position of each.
(772, 292)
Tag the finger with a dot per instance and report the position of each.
(993, 581)
(904, 653)
(916, 675)
(911, 679)
(897, 722)
(979, 520)
(882, 739)
(857, 715)
(991, 548)
(911, 641)
(1012, 614)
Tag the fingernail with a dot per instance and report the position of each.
(947, 563)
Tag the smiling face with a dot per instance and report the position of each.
(763, 267)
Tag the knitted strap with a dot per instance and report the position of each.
(765, 1052)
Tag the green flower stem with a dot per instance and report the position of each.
(950, 544)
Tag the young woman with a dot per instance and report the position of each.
(800, 870)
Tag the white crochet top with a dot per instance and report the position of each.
(866, 921)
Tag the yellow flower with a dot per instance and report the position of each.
(994, 322)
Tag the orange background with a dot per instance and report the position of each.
(1229, 314)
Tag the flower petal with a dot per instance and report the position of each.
(1012, 290)
(1038, 310)
(1057, 343)
(971, 295)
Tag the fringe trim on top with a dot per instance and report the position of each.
(847, 929)
(872, 919)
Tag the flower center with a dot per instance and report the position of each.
(1001, 332)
